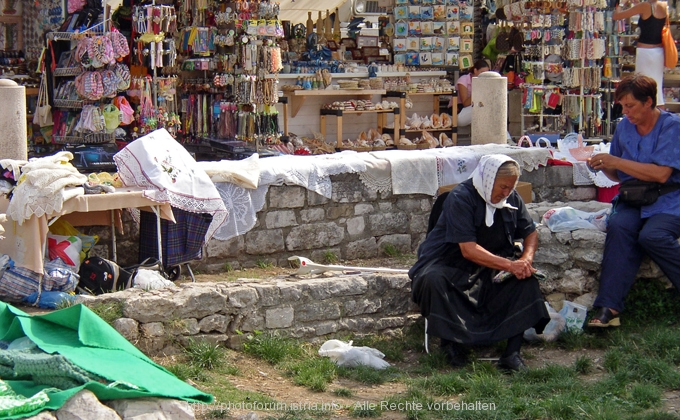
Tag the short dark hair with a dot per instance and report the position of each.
(639, 86)
(480, 64)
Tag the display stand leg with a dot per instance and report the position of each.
(285, 119)
(114, 252)
(339, 123)
(322, 126)
(454, 118)
(157, 211)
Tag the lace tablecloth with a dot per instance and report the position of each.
(412, 172)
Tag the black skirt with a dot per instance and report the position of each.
(470, 309)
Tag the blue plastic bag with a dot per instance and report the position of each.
(50, 300)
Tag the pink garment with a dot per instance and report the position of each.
(465, 80)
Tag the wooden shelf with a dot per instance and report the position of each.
(297, 97)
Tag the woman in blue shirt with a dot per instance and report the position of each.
(645, 147)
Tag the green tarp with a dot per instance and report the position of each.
(87, 341)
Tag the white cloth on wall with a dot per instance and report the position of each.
(169, 174)
(245, 172)
(243, 205)
(412, 173)
(311, 172)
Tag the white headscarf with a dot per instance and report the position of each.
(483, 179)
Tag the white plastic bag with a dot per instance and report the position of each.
(151, 279)
(574, 314)
(565, 219)
(551, 331)
(343, 354)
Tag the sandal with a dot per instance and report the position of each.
(606, 319)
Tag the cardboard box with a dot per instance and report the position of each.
(523, 188)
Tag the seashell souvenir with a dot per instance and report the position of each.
(436, 121)
(445, 141)
(446, 120)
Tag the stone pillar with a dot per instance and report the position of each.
(13, 142)
(489, 108)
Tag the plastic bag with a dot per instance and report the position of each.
(151, 279)
(566, 219)
(50, 300)
(551, 331)
(574, 315)
(343, 354)
(62, 227)
(112, 117)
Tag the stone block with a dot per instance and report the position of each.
(384, 206)
(214, 322)
(592, 238)
(560, 176)
(362, 306)
(242, 296)
(319, 289)
(236, 341)
(360, 324)
(152, 408)
(152, 329)
(315, 199)
(410, 205)
(391, 322)
(264, 242)
(363, 208)
(280, 219)
(368, 194)
(151, 345)
(279, 317)
(341, 210)
(291, 292)
(321, 311)
(550, 256)
(388, 223)
(537, 177)
(419, 223)
(149, 308)
(186, 326)
(312, 215)
(251, 322)
(85, 405)
(317, 235)
(212, 339)
(223, 249)
(269, 294)
(364, 248)
(356, 226)
(580, 193)
(45, 415)
(346, 192)
(127, 327)
(197, 302)
(400, 242)
(586, 300)
(286, 197)
(349, 286)
(327, 327)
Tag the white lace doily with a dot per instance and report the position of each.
(581, 174)
(243, 205)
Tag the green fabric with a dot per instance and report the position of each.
(12, 404)
(88, 342)
(46, 369)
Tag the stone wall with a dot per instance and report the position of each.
(160, 321)
(355, 223)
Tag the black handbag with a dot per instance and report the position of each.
(636, 193)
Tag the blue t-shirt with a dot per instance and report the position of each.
(660, 146)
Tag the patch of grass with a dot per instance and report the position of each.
(109, 311)
(583, 365)
(645, 396)
(204, 354)
(313, 372)
(364, 411)
(186, 371)
(368, 375)
(343, 392)
(391, 250)
(443, 384)
(273, 349)
(650, 302)
(262, 263)
(329, 257)
(228, 267)
(393, 349)
(66, 303)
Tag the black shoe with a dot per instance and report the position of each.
(456, 356)
(512, 362)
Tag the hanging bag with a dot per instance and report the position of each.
(43, 110)
(670, 51)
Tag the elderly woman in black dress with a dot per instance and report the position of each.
(456, 280)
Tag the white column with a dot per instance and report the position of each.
(13, 141)
(489, 108)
